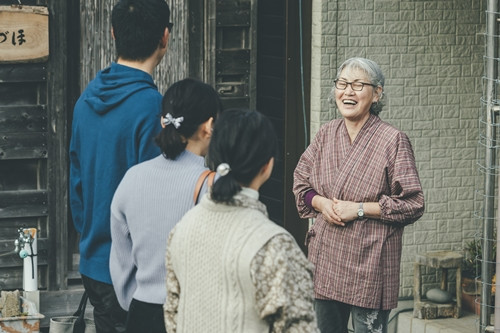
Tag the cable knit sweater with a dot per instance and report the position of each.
(230, 269)
(150, 200)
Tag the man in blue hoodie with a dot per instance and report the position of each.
(114, 123)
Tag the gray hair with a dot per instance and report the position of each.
(375, 75)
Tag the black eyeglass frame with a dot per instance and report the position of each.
(352, 86)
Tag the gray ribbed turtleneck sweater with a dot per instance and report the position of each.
(150, 200)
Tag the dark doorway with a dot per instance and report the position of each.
(283, 83)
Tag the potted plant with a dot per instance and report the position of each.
(471, 274)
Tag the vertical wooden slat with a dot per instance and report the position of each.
(175, 65)
(279, 96)
(294, 114)
(74, 68)
(97, 45)
(57, 164)
(196, 27)
(97, 50)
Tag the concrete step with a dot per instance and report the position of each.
(468, 323)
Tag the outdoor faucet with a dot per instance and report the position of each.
(23, 238)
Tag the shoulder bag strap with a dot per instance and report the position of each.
(205, 175)
(79, 326)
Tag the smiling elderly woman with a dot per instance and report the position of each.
(359, 180)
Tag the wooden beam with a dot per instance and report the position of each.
(58, 137)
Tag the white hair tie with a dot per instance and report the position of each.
(168, 119)
(223, 169)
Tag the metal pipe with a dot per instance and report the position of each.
(488, 225)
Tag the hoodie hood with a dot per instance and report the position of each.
(115, 84)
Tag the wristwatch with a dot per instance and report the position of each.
(361, 212)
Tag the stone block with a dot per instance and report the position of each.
(10, 303)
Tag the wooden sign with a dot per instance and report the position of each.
(24, 34)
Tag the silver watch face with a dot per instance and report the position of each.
(361, 213)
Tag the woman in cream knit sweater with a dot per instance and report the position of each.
(229, 268)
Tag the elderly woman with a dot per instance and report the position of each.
(359, 180)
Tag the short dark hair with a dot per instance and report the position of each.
(244, 139)
(195, 102)
(138, 26)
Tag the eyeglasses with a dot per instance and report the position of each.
(169, 26)
(356, 86)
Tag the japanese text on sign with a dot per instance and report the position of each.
(24, 34)
(18, 39)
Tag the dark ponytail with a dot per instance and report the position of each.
(246, 141)
(224, 189)
(189, 103)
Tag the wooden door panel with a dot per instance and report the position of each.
(31, 118)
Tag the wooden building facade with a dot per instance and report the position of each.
(255, 53)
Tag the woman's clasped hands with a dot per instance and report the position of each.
(336, 211)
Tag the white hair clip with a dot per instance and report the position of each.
(168, 119)
(223, 169)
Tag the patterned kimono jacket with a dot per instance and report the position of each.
(359, 264)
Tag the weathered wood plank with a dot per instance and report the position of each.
(22, 93)
(9, 229)
(31, 118)
(23, 203)
(23, 145)
(23, 73)
(230, 62)
(12, 278)
(175, 65)
(23, 211)
(13, 260)
(195, 26)
(233, 13)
